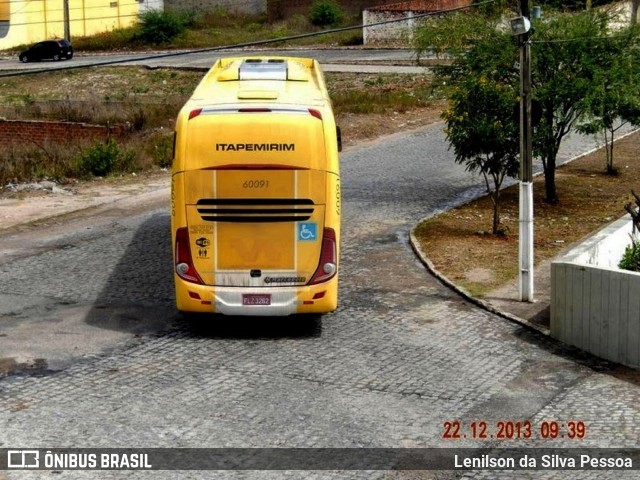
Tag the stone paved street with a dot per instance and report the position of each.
(401, 356)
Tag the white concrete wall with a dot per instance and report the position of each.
(606, 247)
(594, 305)
(146, 5)
(402, 30)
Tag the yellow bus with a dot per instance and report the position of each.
(255, 191)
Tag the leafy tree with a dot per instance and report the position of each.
(480, 124)
(615, 98)
(567, 54)
(483, 134)
(452, 35)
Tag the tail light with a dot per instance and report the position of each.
(184, 263)
(328, 265)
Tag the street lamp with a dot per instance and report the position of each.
(521, 26)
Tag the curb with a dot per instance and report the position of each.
(415, 245)
(424, 259)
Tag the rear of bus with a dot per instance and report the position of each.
(256, 192)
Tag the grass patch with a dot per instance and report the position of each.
(379, 93)
(218, 27)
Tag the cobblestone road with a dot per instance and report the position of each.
(401, 356)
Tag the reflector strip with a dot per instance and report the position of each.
(256, 166)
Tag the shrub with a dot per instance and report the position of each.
(100, 159)
(325, 13)
(631, 257)
(353, 40)
(163, 151)
(158, 27)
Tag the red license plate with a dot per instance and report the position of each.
(256, 299)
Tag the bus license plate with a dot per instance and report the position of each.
(256, 299)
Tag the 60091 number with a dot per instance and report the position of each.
(256, 184)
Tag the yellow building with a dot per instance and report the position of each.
(29, 21)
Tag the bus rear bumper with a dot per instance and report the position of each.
(264, 301)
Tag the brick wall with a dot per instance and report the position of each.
(28, 132)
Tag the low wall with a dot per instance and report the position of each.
(594, 305)
(400, 29)
(27, 132)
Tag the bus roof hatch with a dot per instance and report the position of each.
(263, 69)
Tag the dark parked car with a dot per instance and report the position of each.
(48, 50)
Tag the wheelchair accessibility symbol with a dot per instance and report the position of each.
(307, 232)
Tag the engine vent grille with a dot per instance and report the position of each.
(256, 210)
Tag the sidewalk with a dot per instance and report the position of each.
(505, 301)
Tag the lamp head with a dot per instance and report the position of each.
(520, 25)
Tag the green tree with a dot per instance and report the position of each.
(567, 54)
(615, 98)
(452, 36)
(483, 134)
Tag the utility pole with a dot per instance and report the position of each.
(67, 29)
(526, 165)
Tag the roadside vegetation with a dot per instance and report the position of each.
(460, 245)
(585, 76)
(147, 102)
(597, 91)
(217, 27)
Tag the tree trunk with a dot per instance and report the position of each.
(635, 4)
(609, 144)
(496, 211)
(550, 180)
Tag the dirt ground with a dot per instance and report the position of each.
(358, 128)
(37, 200)
(459, 244)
